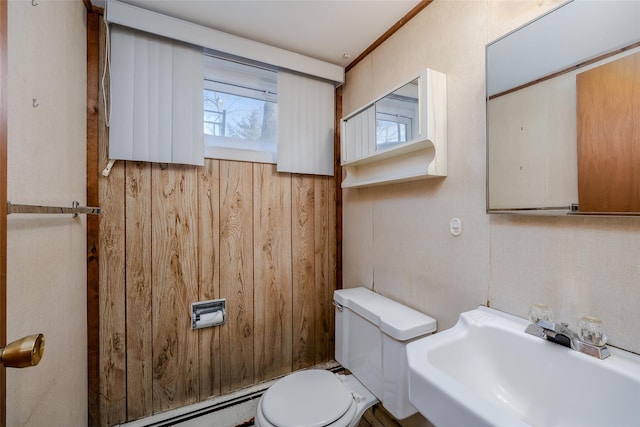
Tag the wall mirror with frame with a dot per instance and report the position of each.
(563, 98)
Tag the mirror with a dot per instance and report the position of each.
(542, 158)
(385, 124)
(397, 116)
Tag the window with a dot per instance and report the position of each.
(305, 88)
(240, 111)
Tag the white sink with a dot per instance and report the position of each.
(486, 371)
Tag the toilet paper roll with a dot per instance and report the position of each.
(213, 318)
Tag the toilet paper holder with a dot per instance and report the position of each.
(208, 313)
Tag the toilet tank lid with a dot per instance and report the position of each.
(394, 319)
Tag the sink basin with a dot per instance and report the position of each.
(486, 371)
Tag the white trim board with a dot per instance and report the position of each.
(145, 20)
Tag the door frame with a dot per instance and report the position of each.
(94, 18)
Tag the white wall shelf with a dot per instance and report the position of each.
(424, 156)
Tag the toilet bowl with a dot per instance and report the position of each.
(314, 398)
(372, 332)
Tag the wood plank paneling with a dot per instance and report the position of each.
(175, 285)
(608, 107)
(334, 257)
(209, 252)
(323, 293)
(231, 230)
(272, 272)
(303, 267)
(138, 289)
(113, 391)
(236, 274)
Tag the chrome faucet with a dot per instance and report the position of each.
(591, 341)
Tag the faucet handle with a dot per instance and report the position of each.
(539, 312)
(591, 331)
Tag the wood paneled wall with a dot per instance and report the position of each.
(170, 235)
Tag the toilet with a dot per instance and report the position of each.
(371, 334)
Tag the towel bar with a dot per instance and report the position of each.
(75, 209)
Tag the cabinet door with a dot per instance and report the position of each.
(608, 119)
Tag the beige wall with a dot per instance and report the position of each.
(46, 267)
(396, 237)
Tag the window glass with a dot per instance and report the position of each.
(240, 111)
(234, 116)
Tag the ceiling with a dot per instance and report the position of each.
(335, 31)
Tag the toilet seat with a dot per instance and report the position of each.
(312, 398)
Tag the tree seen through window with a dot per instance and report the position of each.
(234, 116)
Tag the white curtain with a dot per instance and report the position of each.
(156, 99)
(306, 109)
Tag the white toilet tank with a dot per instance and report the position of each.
(371, 334)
